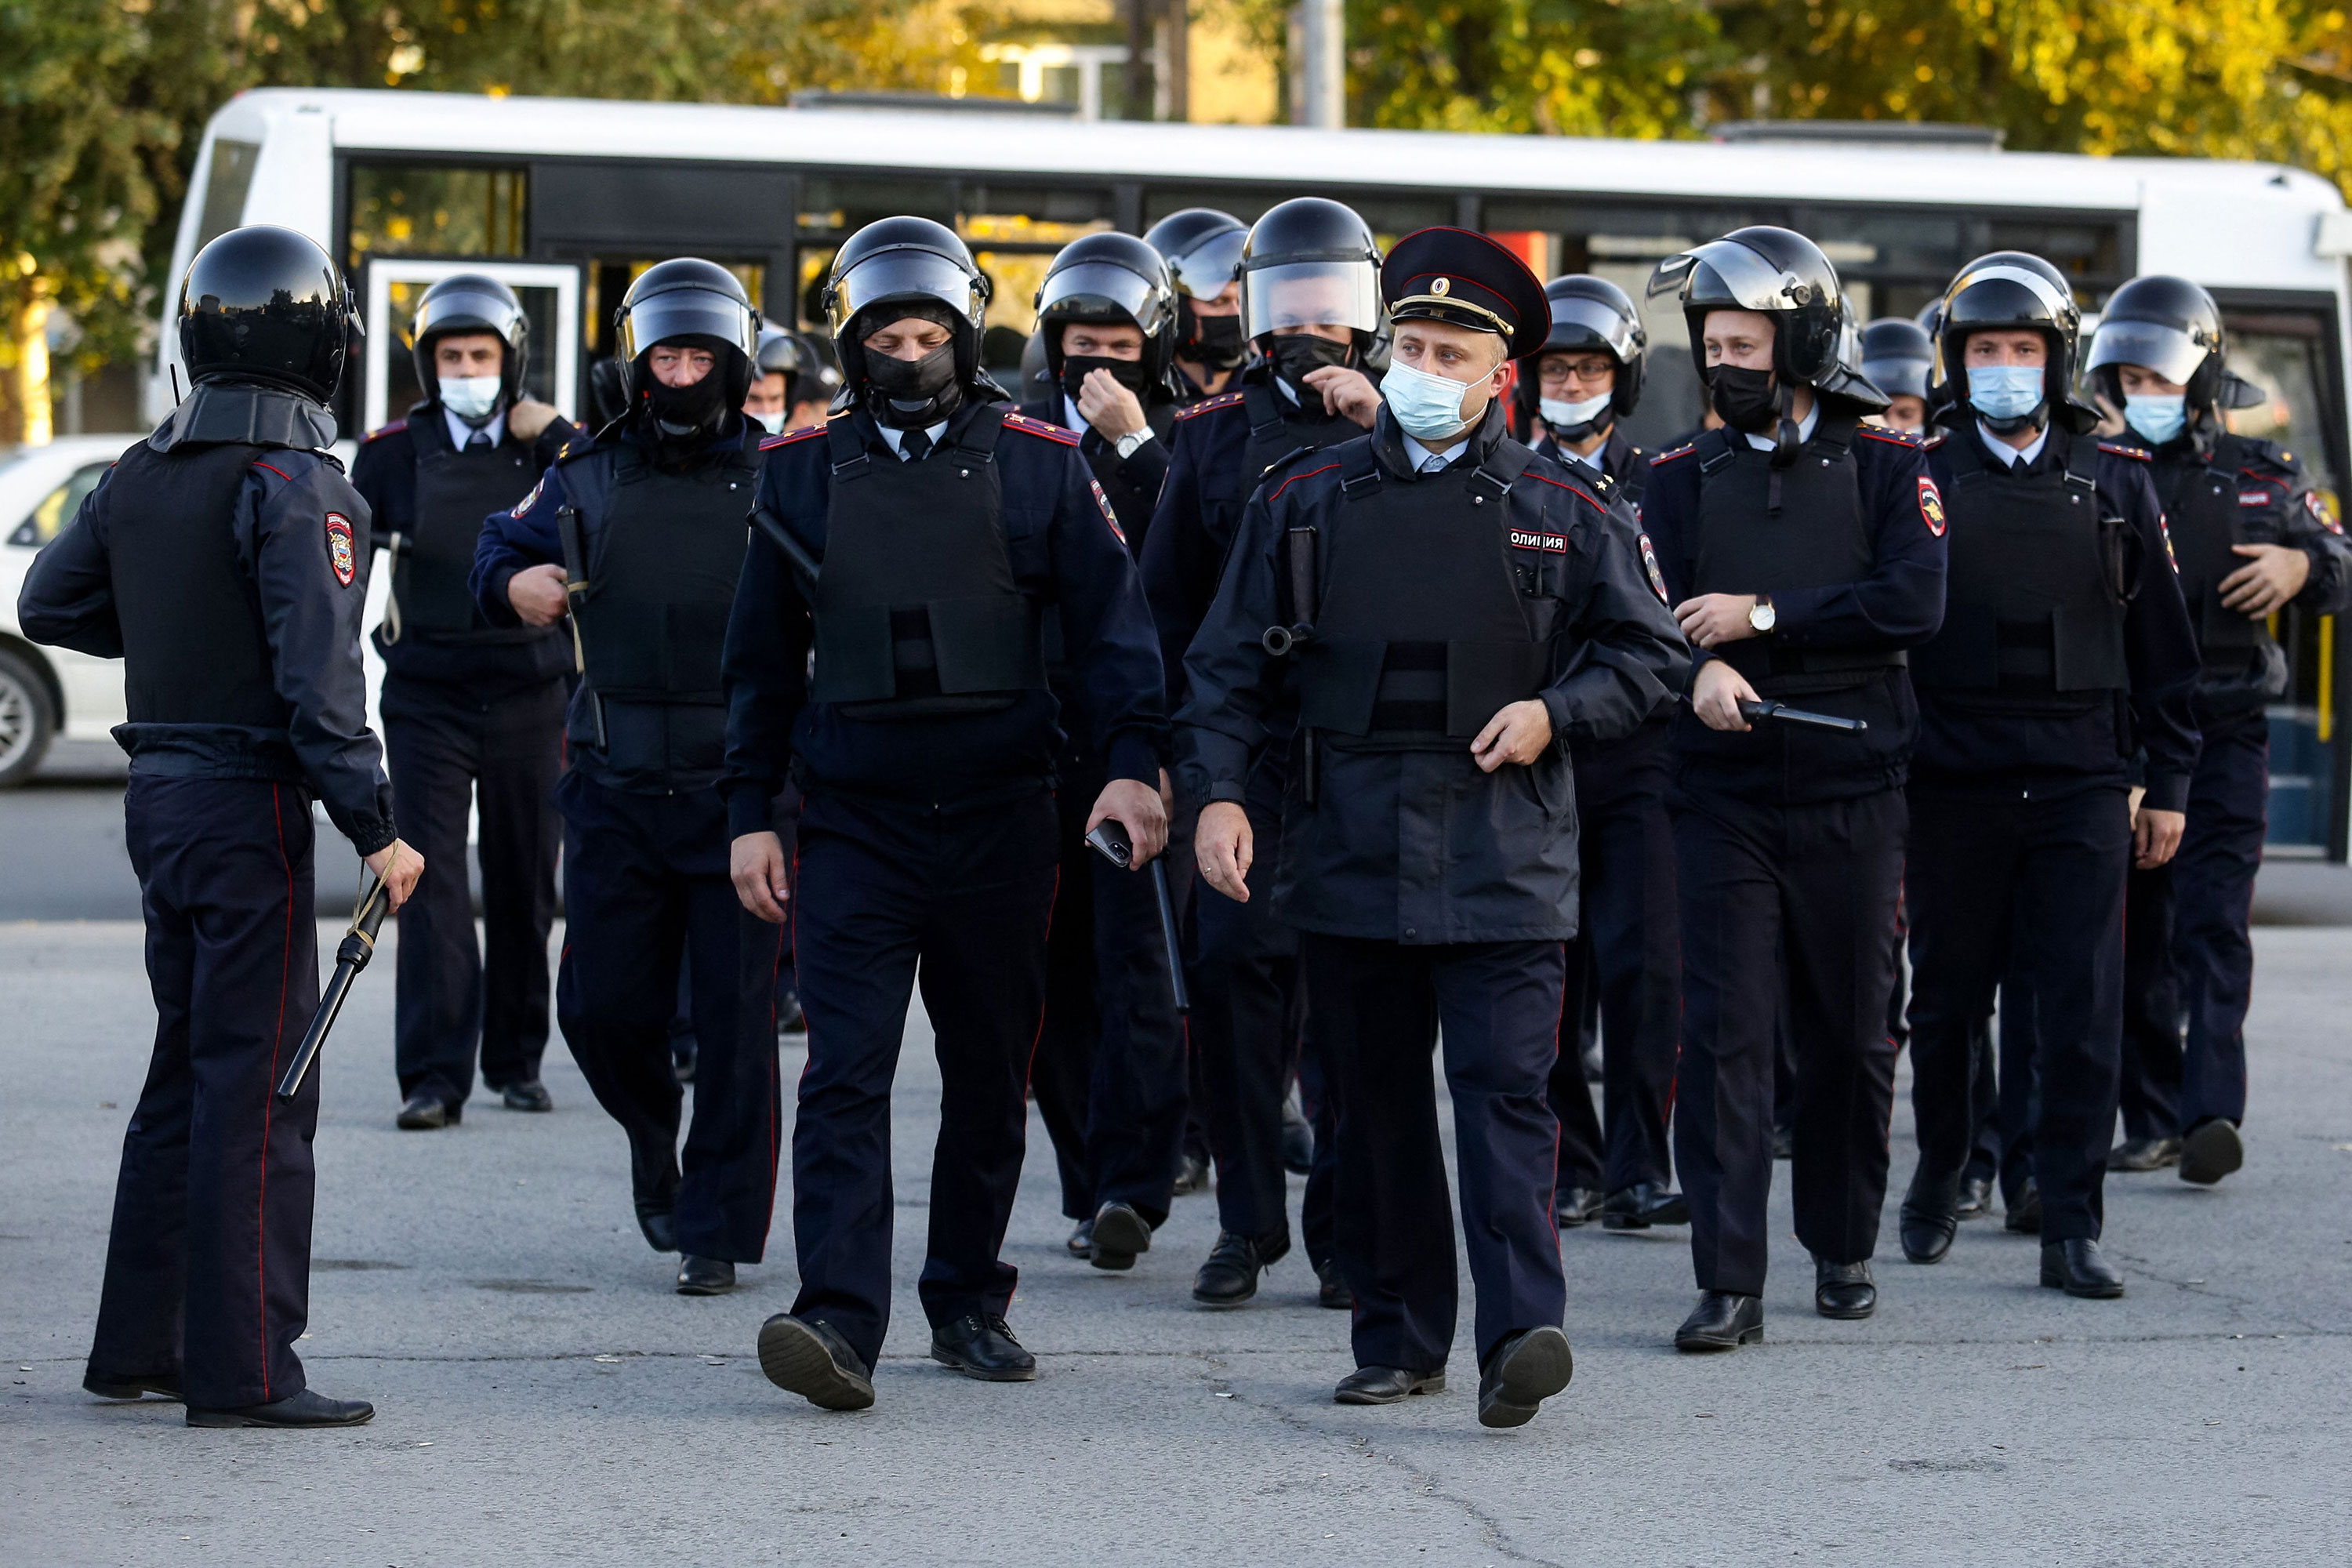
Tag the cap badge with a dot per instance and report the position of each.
(1441, 285)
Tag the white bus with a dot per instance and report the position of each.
(567, 199)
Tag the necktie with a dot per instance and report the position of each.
(915, 446)
(480, 439)
(1433, 463)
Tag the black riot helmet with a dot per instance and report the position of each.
(2014, 291)
(809, 374)
(471, 302)
(263, 303)
(1204, 250)
(1311, 261)
(1589, 315)
(2172, 327)
(1899, 357)
(1110, 280)
(1775, 272)
(1039, 384)
(694, 303)
(914, 263)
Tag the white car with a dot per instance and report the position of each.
(45, 692)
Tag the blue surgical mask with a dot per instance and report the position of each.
(774, 423)
(1428, 407)
(1564, 415)
(2006, 391)
(2159, 418)
(472, 399)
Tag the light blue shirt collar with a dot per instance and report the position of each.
(460, 432)
(2011, 456)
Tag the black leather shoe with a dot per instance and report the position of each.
(984, 1348)
(1573, 1206)
(2077, 1268)
(163, 1384)
(1843, 1289)
(1230, 1275)
(2211, 1151)
(659, 1224)
(2024, 1215)
(1975, 1198)
(1331, 1287)
(425, 1110)
(2144, 1155)
(1385, 1386)
(809, 1358)
(1526, 1369)
(1191, 1176)
(529, 1095)
(1927, 1230)
(1120, 1236)
(307, 1408)
(790, 1019)
(1298, 1140)
(1642, 1205)
(1721, 1321)
(1082, 1240)
(705, 1276)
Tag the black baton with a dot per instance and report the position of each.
(1788, 715)
(1109, 840)
(358, 947)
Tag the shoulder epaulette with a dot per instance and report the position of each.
(1932, 442)
(1683, 450)
(1028, 427)
(573, 451)
(2121, 451)
(1275, 494)
(1194, 410)
(2269, 452)
(1891, 438)
(378, 433)
(770, 443)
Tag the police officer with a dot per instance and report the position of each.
(2251, 538)
(1462, 607)
(1204, 250)
(1310, 296)
(223, 560)
(914, 541)
(1624, 965)
(1896, 357)
(792, 383)
(471, 712)
(2064, 636)
(1110, 1068)
(640, 534)
(1801, 562)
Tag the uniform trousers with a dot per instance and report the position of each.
(1376, 1007)
(208, 1264)
(1630, 948)
(891, 895)
(2173, 1085)
(447, 747)
(645, 888)
(1109, 1076)
(2150, 1092)
(2035, 887)
(1794, 899)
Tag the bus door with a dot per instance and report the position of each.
(550, 293)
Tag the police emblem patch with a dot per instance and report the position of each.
(1109, 516)
(2321, 512)
(1931, 506)
(527, 501)
(340, 556)
(1657, 578)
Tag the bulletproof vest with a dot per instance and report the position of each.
(195, 649)
(917, 614)
(2201, 510)
(1422, 636)
(653, 622)
(2036, 583)
(1765, 530)
(455, 490)
(1277, 427)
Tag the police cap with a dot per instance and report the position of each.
(1463, 278)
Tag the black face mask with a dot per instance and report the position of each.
(1747, 399)
(908, 393)
(685, 411)
(1215, 342)
(1127, 372)
(1297, 354)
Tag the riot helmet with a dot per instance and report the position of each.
(688, 303)
(1039, 384)
(2012, 291)
(1775, 272)
(808, 372)
(2172, 327)
(897, 267)
(471, 302)
(1898, 356)
(1111, 279)
(1204, 250)
(1311, 262)
(265, 304)
(1589, 315)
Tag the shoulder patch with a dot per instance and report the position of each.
(1028, 427)
(1649, 561)
(1194, 410)
(527, 501)
(2119, 449)
(770, 443)
(1931, 506)
(341, 557)
(2321, 511)
(1891, 438)
(378, 433)
(1532, 539)
(1109, 516)
(1662, 458)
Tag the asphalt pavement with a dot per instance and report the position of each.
(544, 1396)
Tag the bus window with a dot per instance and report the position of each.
(426, 210)
(835, 206)
(225, 188)
(1014, 231)
(608, 281)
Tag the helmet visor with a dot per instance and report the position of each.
(1898, 375)
(1729, 276)
(1093, 290)
(2170, 352)
(1579, 323)
(688, 312)
(1206, 269)
(1311, 294)
(2050, 305)
(464, 310)
(908, 274)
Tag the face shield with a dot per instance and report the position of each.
(909, 275)
(1722, 275)
(1206, 269)
(1309, 294)
(688, 313)
(1577, 323)
(2170, 352)
(1097, 290)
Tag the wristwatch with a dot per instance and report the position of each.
(1131, 443)
(1761, 616)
